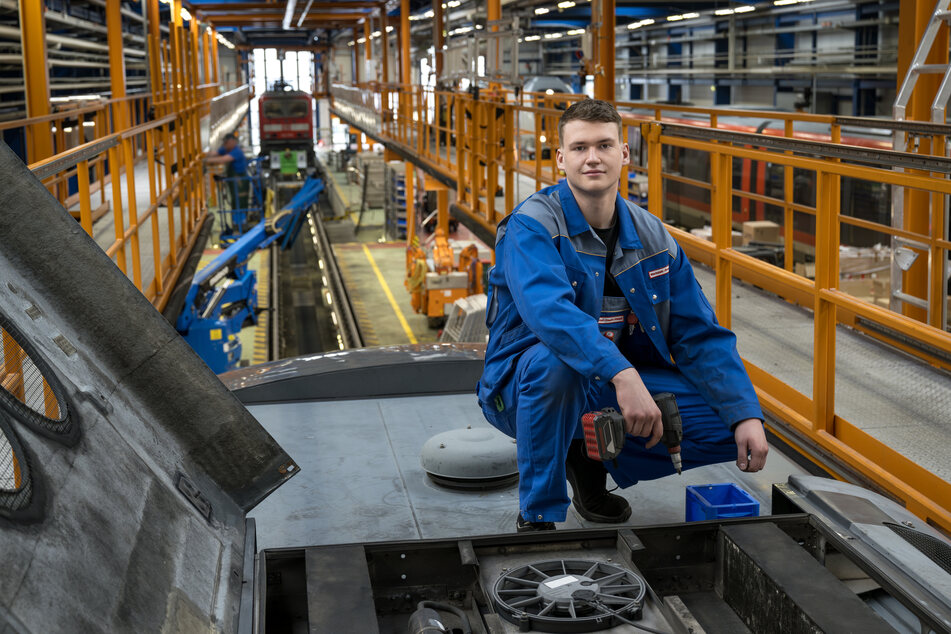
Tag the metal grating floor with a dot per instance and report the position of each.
(892, 396)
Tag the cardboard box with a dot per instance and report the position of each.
(805, 269)
(761, 231)
(706, 232)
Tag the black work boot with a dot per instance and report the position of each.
(524, 526)
(588, 479)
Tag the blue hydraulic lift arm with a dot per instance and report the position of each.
(223, 294)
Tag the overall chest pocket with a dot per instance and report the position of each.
(657, 272)
(577, 277)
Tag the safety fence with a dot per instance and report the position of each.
(815, 193)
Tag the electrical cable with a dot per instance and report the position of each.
(621, 618)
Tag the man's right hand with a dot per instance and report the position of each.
(641, 415)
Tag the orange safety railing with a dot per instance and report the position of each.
(483, 144)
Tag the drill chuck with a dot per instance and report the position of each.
(673, 427)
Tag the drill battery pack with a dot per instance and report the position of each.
(603, 434)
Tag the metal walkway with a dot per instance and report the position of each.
(896, 398)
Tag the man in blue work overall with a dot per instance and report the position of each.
(592, 304)
(232, 157)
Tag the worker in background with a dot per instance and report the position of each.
(592, 304)
(232, 156)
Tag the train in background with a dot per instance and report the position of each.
(286, 119)
(688, 205)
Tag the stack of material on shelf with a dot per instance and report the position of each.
(394, 202)
(371, 165)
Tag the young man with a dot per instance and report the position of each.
(592, 304)
(232, 156)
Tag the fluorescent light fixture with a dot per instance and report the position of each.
(375, 34)
(543, 138)
(361, 40)
(745, 8)
(690, 16)
(723, 12)
(553, 36)
(429, 14)
(532, 38)
(548, 91)
(541, 11)
(89, 124)
(75, 98)
(351, 43)
(389, 28)
(68, 129)
(637, 25)
(185, 14)
(674, 18)
(567, 4)
(576, 32)
(453, 3)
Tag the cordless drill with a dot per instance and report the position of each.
(604, 431)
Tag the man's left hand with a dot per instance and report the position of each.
(751, 447)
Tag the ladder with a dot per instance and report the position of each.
(902, 254)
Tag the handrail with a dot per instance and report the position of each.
(70, 158)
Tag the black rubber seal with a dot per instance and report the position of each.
(65, 429)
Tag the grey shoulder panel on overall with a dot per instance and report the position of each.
(653, 234)
(544, 209)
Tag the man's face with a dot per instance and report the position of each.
(591, 155)
(230, 144)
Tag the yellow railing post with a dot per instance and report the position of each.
(655, 173)
(827, 277)
(721, 220)
(789, 250)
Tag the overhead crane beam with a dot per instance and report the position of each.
(277, 17)
(202, 8)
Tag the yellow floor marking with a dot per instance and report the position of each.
(389, 296)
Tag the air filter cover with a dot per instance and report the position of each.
(470, 458)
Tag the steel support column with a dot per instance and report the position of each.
(367, 47)
(439, 29)
(494, 14)
(355, 56)
(406, 63)
(39, 142)
(604, 75)
(385, 52)
(406, 76)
